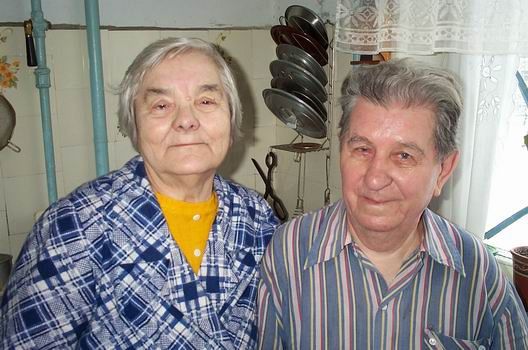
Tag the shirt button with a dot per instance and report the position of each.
(482, 347)
(384, 307)
(432, 341)
(197, 252)
(196, 217)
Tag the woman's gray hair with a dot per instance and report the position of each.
(413, 84)
(153, 55)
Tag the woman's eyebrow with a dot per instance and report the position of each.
(209, 88)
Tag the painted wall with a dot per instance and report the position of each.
(168, 13)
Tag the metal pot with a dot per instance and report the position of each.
(7, 124)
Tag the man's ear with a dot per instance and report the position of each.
(448, 166)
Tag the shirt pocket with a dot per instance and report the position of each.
(436, 341)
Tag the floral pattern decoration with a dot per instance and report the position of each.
(8, 68)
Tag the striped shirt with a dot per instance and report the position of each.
(101, 271)
(319, 291)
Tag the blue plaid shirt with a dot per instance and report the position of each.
(101, 271)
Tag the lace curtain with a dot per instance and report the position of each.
(428, 26)
(488, 87)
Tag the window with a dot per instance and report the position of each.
(509, 186)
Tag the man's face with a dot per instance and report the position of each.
(389, 167)
(182, 117)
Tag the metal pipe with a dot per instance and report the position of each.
(42, 75)
(97, 86)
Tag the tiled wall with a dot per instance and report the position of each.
(23, 190)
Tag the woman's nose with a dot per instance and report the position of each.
(377, 175)
(185, 119)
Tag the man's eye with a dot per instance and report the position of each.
(405, 156)
(161, 106)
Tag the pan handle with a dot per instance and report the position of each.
(31, 56)
(13, 147)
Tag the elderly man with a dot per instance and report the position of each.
(377, 269)
(162, 253)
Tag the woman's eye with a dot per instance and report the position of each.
(207, 102)
(161, 106)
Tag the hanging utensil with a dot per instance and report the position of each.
(275, 202)
(299, 57)
(286, 69)
(7, 124)
(282, 34)
(308, 22)
(295, 113)
(299, 207)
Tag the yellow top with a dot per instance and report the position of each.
(189, 224)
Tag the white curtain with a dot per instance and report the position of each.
(427, 26)
(488, 83)
(483, 40)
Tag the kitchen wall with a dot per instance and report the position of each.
(23, 191)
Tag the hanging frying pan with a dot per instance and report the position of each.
(7, 124)
(308, 22)
(295, 113)
(312, 102)
(302, 85)
(298, 56)
(302, 92)
(282, 34)
(286, 69)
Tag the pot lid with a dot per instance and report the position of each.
(302, 59)
(289, 70)
(282, 34)
(313, 102)
(308, 22)
(295, 113)
(7, 121)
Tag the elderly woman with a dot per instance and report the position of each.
(161, 253)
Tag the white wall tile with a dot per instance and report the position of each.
(200, 34)
(78, 166)
(237, 47)
(262, 115)
(28, 136)
(75, 125)
(263, 52)
(24, 196)
(123, 153)
(4, 234)
(68, 58)
(16, 241)
(123, 48)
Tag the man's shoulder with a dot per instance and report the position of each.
(305, 233)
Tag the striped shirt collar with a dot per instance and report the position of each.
(332, 237)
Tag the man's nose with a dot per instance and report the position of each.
(378, 175)
(185, 118)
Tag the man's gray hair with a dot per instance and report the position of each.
(153, 55)
(413, 84)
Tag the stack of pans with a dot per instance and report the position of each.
(297, 94)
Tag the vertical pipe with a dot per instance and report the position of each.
(96, 86)
(42, 75)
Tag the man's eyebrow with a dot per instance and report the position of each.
(357, 138)
(413, 146)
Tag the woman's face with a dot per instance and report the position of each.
(182, 117)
